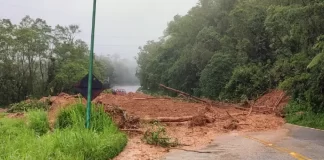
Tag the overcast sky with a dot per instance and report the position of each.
(122, 25)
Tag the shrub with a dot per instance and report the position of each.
(156, 135)
(107, 91)
(64, 119)
(28, 105)
(38, 121)
(247, 82)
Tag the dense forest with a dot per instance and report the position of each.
(39, 60)
(239, 49)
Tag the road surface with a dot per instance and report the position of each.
(289, 143)
(127, 88)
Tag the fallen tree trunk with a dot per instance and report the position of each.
(168, 119)
(150, 98)
(278, 102)
(183, 93)
(251, 109)
(242, 108)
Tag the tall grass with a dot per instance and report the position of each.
(38, 122)
(68, 141)
(2, 115)
(301, 114)
(75, 117)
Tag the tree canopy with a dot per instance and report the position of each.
(239, 49)
(37, 59)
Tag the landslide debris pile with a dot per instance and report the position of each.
(131, 109)
(164, 109)
(192, 123)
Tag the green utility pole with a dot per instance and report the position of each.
(91, 65)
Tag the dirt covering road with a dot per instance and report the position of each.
(196, 136)
(194, 124)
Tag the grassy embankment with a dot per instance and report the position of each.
(301, 114)
(31, 138)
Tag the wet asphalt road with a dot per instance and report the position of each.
(127, 88)
(289, 143)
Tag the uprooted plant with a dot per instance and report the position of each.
(156, 135)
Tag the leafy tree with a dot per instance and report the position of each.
(37, 60)
(239, 49)
(216, 75)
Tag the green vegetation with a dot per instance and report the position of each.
(2, 115)
(38, 122)
(301, 114)
(24, 106)
(156, 135)
(33, 140)
(39, 60)
(239, 49)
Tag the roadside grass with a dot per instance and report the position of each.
(38, 122)
(301, 114)
(2, 114)
(32, 138)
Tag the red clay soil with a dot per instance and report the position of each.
(274, 101)
(16, 115)
(151, 107)
(272, 98)
(207, 123)
(197, 136)
(57, 103)
(2, 110)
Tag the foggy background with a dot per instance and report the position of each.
(121, 25)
